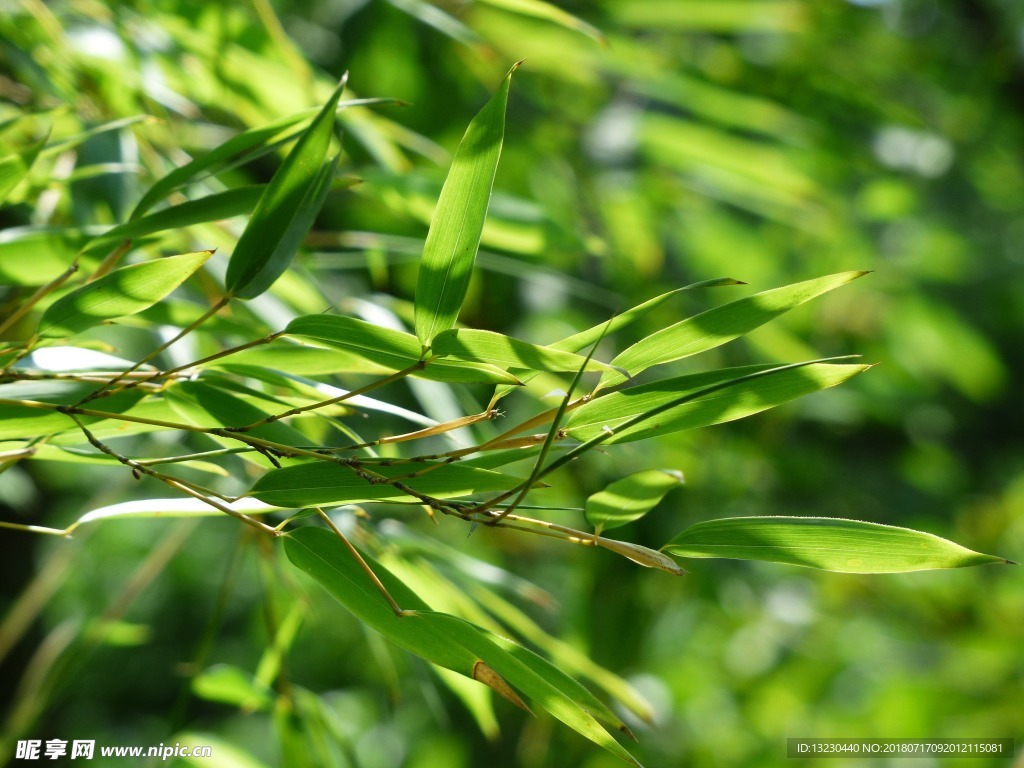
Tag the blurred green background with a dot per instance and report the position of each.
(767, 140)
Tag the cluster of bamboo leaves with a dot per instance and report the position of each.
(262, 401)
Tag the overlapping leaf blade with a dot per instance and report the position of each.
(584, 339)
(506, 351)
(832, 544)
(717, 326)
(454, 235)
(728, 404)
(446, 640)
(124, 291)
(630, 498)
(322, 482)
(286, 210)
(387, 347)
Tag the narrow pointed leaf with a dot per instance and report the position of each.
(444, 640)
(832, 544)
(583, 339)
(454, 235)
(496, 349)
(720, 325)
(286, 210)
(15, 167)
(549, 12)
(395, 350)
(221, 205)
(124, 291)
(322, 482)
(728, 404)
(204, 404)
(630, 498)
(541, 681)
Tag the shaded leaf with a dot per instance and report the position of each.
(124, 291)
(286, 210)
(833, 544)
(221, 205)
(204, 404)
(323, 482)
(630, 498)
(444, 640)
(728, 404)
(454, 235)
(719, 325)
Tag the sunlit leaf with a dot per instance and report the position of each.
(205, 404)
(286, 210)
(719, 325)
(36, 255)
(630, 498)
(215, 207)
(15, 167)
(442, 639)
(387, 347)
(322, 482)
(735, 402)
(227, 684)
(847, 546)
(21, 421)
(494, 348)
(124, 291)
(549, 12)
(454, 236)
(584, 339)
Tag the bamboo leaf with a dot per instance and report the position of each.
(36, 255)
(445, 640)
(286, 210)
(548, 12)
(832, 544)
(124, 291)
(321, 482)
(454, 235)
(395, 350)
(630, 498)
(215, 207)
(496, 349)
(203, 404)
(728, 404)
(15, 167)
(720, 325)
(583, 339)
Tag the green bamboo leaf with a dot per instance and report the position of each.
(454, 235)
(584, 339)
(496, 349)
(391, 349)
(36, 255)
(720, 325)
(630, 498)
(24, 422)
(221, 205)
(323, 556)
(286, 210)
(833, 544)
(228, 684)
(247, 140)
(322, 482)
(728, 404)
(444, 640)
(548, 12)
(15, 167)
(541, 681)
(124, 291)
(203, 404)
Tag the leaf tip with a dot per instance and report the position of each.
(484, 674)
